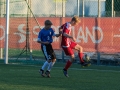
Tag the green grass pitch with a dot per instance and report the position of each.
(26, 77)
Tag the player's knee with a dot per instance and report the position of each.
(54, 60)
(80, 49)
(72, 58)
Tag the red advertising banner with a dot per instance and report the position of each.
(93, 34)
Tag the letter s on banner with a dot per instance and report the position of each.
(3, 36)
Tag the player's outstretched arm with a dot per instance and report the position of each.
(68, 36)
(60, 30)
(57, 35)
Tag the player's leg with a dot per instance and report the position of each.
(44, 66)
(46, 63)
(80, 55)
(69, 52)
(68, 64)
(77, 47)
(51, 64)
(80, 52)
(52, 57)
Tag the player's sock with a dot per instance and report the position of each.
(81, 57)
(68, 64)
(50, 66)
(45, 65)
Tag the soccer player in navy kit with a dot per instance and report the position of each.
(45, 38)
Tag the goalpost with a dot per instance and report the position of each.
(6, 32)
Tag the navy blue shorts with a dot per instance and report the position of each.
(48, 52)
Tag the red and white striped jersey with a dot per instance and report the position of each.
(66, 29)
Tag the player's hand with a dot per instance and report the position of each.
(60, 33)
(57, 35)
(74, 39)
(46, 43)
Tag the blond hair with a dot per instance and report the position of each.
(76, 19)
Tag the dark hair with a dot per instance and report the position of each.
(48, 22)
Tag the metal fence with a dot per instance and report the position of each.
(27, 17)
(62, 8)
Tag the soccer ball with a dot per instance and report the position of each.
(86, 58)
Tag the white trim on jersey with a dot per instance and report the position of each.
(68, 26)
(66, 46)
(54, 34)
(38, 39)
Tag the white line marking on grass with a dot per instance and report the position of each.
(91, 69)
(96, 70)
(79, 69)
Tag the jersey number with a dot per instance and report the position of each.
(48, 38)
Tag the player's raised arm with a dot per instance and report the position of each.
(57, 35)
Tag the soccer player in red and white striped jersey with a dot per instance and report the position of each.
(68, 43)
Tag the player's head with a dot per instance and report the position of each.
(48, 24)
(75, 20)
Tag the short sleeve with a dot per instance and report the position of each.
(39, 36)
(66, 28)
(53, 32)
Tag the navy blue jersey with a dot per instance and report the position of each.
(46, 35)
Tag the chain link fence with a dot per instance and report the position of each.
(62, 8)
(28, 16)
